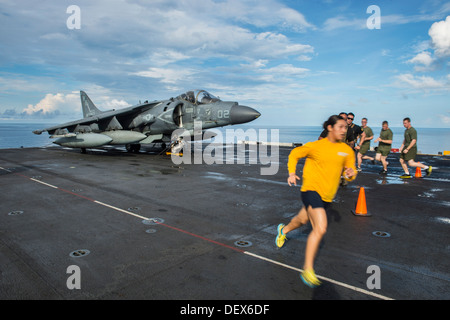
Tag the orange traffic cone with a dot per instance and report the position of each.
(418, 173)
(361, 207)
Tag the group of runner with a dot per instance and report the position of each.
(359, 138)
(330, 159)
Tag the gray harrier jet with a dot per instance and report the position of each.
(148, 122)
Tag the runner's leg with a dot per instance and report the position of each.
(318, 219)
(296, 222)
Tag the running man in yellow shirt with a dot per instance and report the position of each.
(326, 160)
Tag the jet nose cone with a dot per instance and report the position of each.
(242, 114)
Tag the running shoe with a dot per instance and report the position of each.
(281, 237)
(358, 169)
(383, 171)
(405, 176)
(310, 279)
(429, 170)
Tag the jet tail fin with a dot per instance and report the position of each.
(89, 108)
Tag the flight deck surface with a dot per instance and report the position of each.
(138, 226)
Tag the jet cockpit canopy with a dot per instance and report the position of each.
(198, 97)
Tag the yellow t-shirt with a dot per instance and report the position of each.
(323, 167)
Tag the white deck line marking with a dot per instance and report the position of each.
(121, 210)
(370, 293)
(46, 184)
(442, 220)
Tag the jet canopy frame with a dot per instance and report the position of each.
(198, 97)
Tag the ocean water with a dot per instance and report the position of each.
(430, 140)
(20, 135)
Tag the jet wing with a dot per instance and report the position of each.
(102, 119)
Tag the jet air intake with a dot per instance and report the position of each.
(142, 119)
(242, 114)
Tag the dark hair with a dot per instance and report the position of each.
(385, 122)
(332, 121)
(343, 113)
(351, 113)
(407, 119)
(364, 119)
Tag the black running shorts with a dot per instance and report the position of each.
(313, 199)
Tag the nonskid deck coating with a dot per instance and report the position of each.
(99, 201)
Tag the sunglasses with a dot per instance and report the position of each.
(350, 118)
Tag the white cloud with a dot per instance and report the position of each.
(69, 104)
(440, 44)
(293, 19)
(287, 69)
(385, 53)
(274, 45)
(256, 64)
(165, 57)
(55, 104)
(423, 61)
(425, 83)
(116, 104)
(283, 73)
(423, 58)
(260, 13)
(166, 75)
(440, 37)
(304, 58)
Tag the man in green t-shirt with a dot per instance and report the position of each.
(364, 143)
(408, 150)
(384, 145)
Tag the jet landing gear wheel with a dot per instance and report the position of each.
(133, 148)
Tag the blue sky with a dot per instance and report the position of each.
(297, 62)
